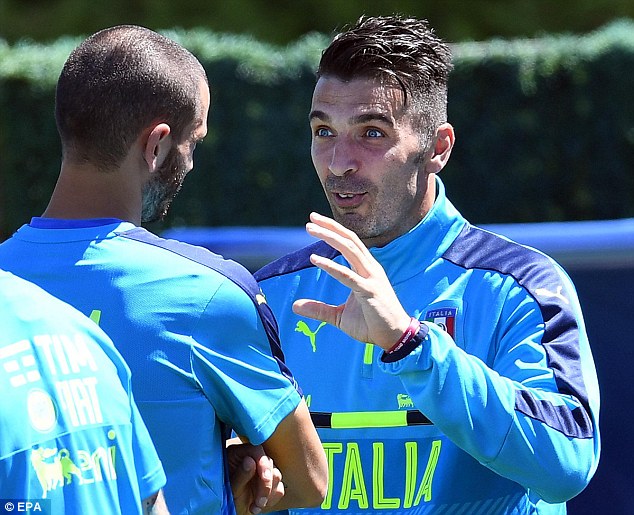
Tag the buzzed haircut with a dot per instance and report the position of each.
(118, 82)
(400, 51)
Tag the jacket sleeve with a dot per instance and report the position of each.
(530, 412)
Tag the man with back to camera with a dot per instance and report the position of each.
(477, 391)
(200, 340)
(71, 438)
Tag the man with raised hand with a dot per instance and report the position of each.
(470, 387)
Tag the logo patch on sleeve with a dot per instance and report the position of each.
(445, 318)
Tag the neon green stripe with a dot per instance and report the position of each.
(369, 352)
(360, 419)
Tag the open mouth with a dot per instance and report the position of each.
(348, 200)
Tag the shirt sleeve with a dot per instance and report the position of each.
(237, 367)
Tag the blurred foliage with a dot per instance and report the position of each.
(284, 21)
(545, 129)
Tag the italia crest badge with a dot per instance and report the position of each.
(445, 318)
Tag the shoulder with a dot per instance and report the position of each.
(536, 276)
(477, 248)
(295, 261)
(231, 270)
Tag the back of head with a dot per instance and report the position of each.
(395, 50)
(115, 84)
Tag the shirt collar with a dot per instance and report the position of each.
(39, 222)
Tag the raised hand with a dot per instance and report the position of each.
(372, 313)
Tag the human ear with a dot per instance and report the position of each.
(157, 146)
(441, 149)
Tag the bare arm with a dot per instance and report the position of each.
(155, 504)
(297, 451)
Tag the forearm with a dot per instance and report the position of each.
(297, 452)
(557, 467)
(479, 410)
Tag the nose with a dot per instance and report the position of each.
(343, 160)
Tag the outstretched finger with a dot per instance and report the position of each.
(334, 226)
(341, 239)
(317, 311)
(341, 273)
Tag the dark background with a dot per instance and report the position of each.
(283, 21)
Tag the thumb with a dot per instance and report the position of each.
(316, 310)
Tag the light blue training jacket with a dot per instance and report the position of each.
(494, 411)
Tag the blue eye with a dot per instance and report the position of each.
(374, 133)
(322, 132)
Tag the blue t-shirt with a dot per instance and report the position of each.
(496, 411)
(194, 329)
(71, 437)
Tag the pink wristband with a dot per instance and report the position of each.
(410, 332)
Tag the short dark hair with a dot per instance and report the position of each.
(403, 51)
(115, 84)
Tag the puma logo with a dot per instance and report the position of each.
(303, 328)
(543, 292)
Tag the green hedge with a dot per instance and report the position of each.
(545, 130)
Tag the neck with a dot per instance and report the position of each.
(83, 191)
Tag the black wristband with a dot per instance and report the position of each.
(407, 347)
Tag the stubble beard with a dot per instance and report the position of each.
(161, 190)
(385, 215)
(365, 226)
